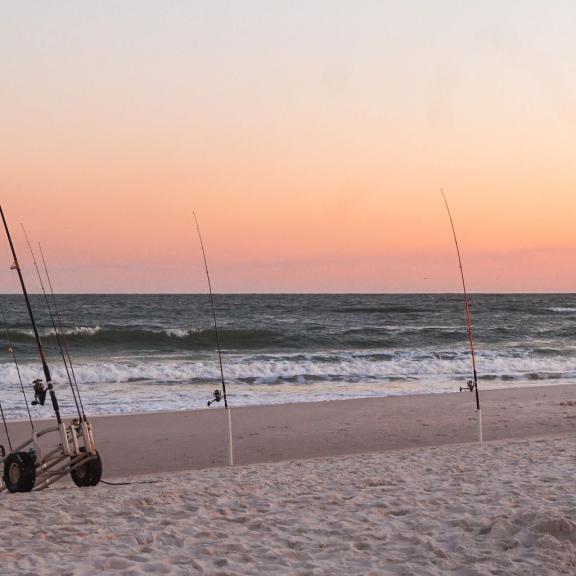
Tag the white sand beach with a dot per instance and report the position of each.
(507, 507)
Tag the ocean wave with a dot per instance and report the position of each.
(162, 337)
(50, 332)
(121, 385)
(165, 339)
(174, 332)
(338, 366)
(147, 352)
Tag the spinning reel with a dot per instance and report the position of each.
(40, 390)
(469, 386)
(216, 397)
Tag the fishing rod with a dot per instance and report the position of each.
(61, 326)
(53, 321)
(39, 385)
(218, 396)
(472, 385)
(30, 466)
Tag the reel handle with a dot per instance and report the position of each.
(469, 386)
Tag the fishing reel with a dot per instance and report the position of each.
(216, 397)
(76, 424)
(469, 386)
(40, 390)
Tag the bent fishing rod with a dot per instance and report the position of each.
(217, 395)
(471, 384)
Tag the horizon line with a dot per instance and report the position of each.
(391, 293)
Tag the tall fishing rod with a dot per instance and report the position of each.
(61, 326)
(472, 384)
(217, 396)
(45, 368)
(13, 352)
(53, 321)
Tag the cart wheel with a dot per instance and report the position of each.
(20, 472)
(89, 473)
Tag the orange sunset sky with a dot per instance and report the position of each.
(311, 138)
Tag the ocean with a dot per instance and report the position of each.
(139, 353)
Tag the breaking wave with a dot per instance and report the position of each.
(336, 366)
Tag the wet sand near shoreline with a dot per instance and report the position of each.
(176, 441)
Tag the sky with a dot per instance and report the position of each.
(311, 138)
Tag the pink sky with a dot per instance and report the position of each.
(311, 143)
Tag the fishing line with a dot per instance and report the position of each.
(11, 349)
(61, 325)
(4, 419)
(473, 386)
(224, 395)
(56, 331)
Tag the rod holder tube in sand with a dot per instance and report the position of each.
(230, 440)
(480, 435)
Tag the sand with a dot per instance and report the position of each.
(391, 493)
(176, 441)
(508, 509)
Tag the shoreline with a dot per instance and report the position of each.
(93, 417)
(159, 442)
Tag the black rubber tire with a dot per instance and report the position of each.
(89, 474)
(20, 472)
(96, 470)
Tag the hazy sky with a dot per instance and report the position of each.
(311, 137)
